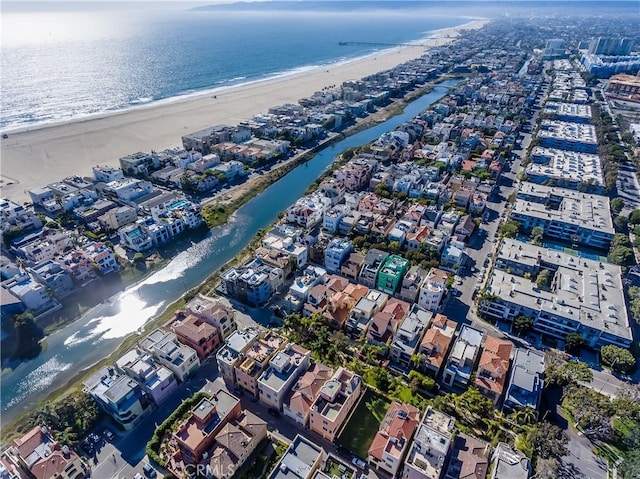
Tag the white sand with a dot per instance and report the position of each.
(35, 157)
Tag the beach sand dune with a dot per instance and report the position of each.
(35, 157)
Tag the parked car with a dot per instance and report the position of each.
(149, 471)
(108, 435)
(356, 461)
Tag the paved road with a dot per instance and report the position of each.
(581, 462)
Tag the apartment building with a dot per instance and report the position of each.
(298, 403)
(215, 312)
(493, 367)
(179, 358)
(407, 339)
(332, 406)
(568, 136)
(255, 359)
(526, 381)
(301, 460)
(463, 357)
(433, 289)
(390, 275)
(283, 371)
(119, 396)
(435, 345)
(373, 263)
(584, 295)
(156, 381)
(429, 451)
(229, 354)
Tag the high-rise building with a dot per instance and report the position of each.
(611, 46)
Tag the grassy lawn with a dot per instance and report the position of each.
(363, 425)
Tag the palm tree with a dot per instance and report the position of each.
(524, 416)
(418, 361)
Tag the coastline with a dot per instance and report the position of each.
(206, 284)
(36, 156)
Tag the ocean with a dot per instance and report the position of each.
(59, 64)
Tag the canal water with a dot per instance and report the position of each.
(96, 334)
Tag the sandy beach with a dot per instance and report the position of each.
(35, 157)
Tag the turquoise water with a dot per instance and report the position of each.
(103, 328)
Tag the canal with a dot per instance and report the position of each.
(98, 332)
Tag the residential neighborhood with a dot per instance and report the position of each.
(458, 298)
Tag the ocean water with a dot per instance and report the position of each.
(82, 60)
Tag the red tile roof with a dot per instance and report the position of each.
(400, 422)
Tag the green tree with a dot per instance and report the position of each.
(547, 468)
(617, 358)
(630, 467)
(591, 411)
(617, 205)
(634, 217)
(418, 361)
(509, 229)
(621, 250)
(26, 336)
(522, 324)
(382, 190)
(573, 342)
(543, 279)
(561, 373)
(549, 441)
(621, 224)
(634, 302)
(312, 333)
(420, 381)
(524, 416)
(381, 379)
(474, 403)
(537, 233)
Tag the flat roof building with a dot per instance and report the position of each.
(566, 169)
(300, 461)
(430, 448)
(585, 296)
(526, 380)
(565, 214)
(571, 112)
(568, 136)
(509, 463)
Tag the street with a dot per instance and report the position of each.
(581, 462)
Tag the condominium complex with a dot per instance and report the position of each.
(568, 136)
(584, 296)
(566, 169)
(568, 215)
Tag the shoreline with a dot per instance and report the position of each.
(227, 86)
(58, 391)
(204, 286)
(73, 147)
